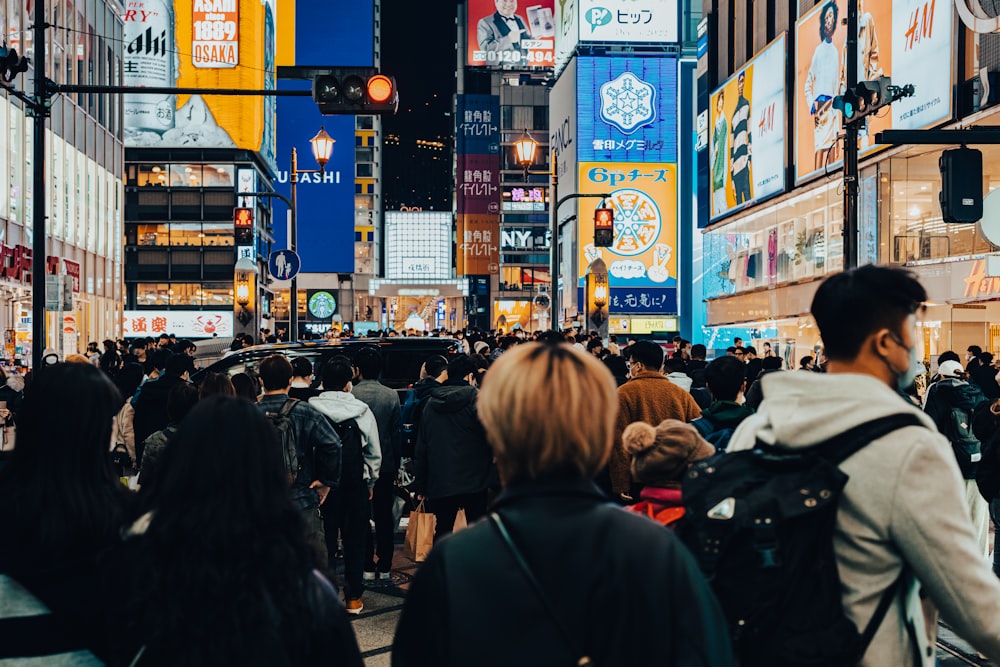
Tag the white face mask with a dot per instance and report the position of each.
(997, 378)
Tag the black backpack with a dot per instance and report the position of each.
(352, 460)
(282, 422)
(760, 524)
(967, 448)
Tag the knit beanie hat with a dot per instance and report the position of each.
(481, 347)
(661, 455)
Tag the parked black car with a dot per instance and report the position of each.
(403, 356)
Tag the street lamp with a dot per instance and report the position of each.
(322, 149)
(525, 149)
(244, 289)
(597, 295)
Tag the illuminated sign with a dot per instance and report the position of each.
(520, 39)
(647, 325)
(215, 40)
(525, 199)
(184, 323)
(322, 304)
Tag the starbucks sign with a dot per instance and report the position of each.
(322, 304)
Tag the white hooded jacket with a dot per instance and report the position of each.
(903, 505)
(339, 406)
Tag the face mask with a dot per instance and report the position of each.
(906, 378)
(997, 378)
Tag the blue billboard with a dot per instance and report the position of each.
(478, 125)
(627, 109)
(325, 201)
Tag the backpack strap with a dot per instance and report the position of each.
(288, 406)
(841, 447)
(536, 586)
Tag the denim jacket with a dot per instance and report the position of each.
(319, 449)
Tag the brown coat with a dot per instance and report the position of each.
(648, 397)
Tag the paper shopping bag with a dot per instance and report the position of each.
(460, 521)
(419, 534)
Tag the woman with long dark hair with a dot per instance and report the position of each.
(219, 569)
(61, 509)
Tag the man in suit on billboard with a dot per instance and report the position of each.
(503, 30)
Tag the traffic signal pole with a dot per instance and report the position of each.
(851, 146)
(40, 110)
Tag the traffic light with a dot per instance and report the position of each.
(604, 227)
(243, 226)
(11, 65)
(355, 90)
(866, 98)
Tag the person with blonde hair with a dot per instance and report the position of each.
(571, 578)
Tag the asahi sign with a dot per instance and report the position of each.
(215, 37)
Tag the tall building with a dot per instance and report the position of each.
(186, 157)
(84, 179)
(339, 211)
(774, 216)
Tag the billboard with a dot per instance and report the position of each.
(477, 187)
(642, 260)
(199, 44)
(627, 109)
(747, 133)
(478, 244)
(563, 126)
(651, 21)
(501, 34)
(418, 245)
(567, 30)
(184, 323)
(909, 40)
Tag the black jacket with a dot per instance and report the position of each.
(949, 393)
(755, 392)
(625, 587)
(452, 455)
(984, 376)
(150, 405)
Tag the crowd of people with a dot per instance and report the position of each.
(571, 457)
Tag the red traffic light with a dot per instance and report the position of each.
(355, 90)
(243, 217)
(380, 89)
(604, 227)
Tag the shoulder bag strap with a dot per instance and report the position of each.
(498, 523)
(841, 447)
(287, 407)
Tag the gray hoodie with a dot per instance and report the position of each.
(339, 406)
(903, 505)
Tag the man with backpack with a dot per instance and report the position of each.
(725, 380)
(309, 445)
(883, 497)
(951, 403)
(349, 507)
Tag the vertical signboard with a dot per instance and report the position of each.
(909, 40)
(627, 147)
(567, 30)
(747, 134)
(477, 190)
(502, 34)
(196, 44)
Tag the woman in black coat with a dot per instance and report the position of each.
(615, 587)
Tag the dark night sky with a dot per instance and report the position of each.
(418, 48)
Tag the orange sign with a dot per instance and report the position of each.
(478, 244)
(215, 37)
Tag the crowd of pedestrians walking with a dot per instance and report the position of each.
(623, 505)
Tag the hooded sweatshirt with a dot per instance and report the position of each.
(681, 380)
(339, 406)
(903, 506)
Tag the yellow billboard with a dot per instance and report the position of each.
(200, 44)
(644, 201)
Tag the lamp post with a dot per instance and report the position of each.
(244, 291)
(596, 294)
(322, 149)
(525, 149)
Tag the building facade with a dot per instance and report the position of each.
(84, 167)
(765, 255)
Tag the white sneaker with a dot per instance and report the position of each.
(385, 577)
(369, 576)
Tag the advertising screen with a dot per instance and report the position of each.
(628, 21)
(509, 314)
(505, 33)
(642, 260)
(199, 44)
(908, 40)
(747, 133)
(627, 108)
(418, 245)
(567, 29)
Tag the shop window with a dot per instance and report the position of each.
(186, 234)
(152, 175)
(152, 294)
(153, 235)
(218, 233)
(218, 176)
(185, 175)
